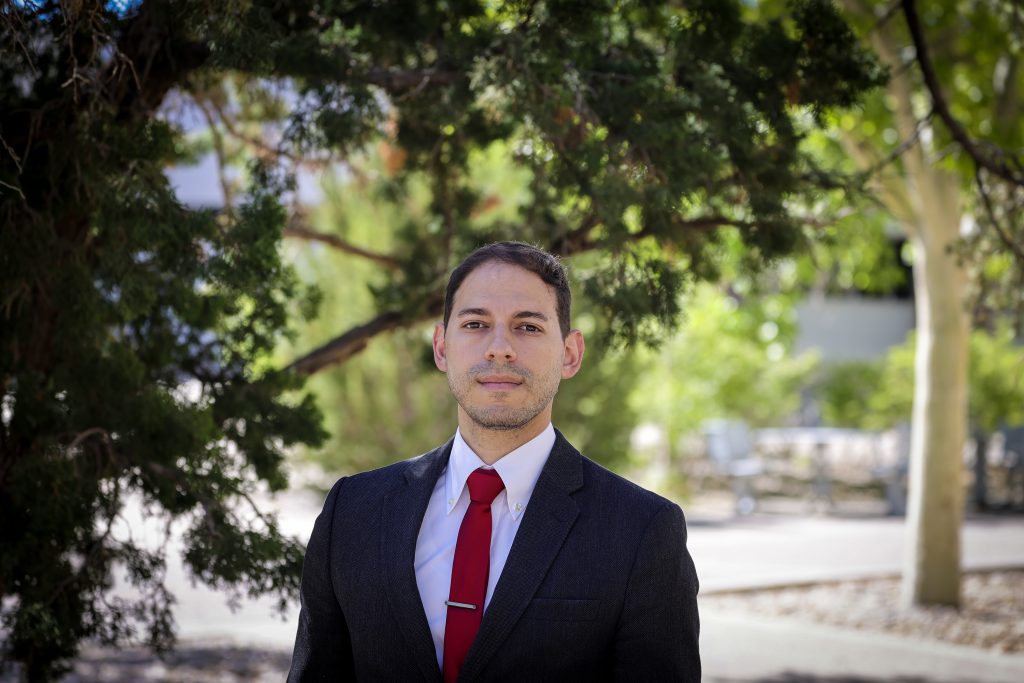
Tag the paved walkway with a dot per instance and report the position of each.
(744, 649)
(765, 550)
(761, 550)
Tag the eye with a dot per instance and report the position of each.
(527, 327)
(473, 325)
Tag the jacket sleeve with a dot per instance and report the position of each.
(323, 650)
(657, 637)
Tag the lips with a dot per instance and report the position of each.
(501, 382)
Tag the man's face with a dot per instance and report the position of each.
(503, 351)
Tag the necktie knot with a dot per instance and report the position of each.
(484, 486)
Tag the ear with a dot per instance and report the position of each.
(572, 357)
(439, 358)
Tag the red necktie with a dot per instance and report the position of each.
(469, 571)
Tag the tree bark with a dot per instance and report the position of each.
(926, 201)
(931, 570)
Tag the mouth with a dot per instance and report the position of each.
(499, 382)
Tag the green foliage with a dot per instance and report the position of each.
(997, 379)
(855, 255)
(728, 360)
(133, 361)
(642, 121)
(846, 391)
(137, 336)
(977, 51)
(879, 394)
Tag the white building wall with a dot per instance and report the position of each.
(852, 328)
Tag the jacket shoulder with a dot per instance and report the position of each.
(614, 484)
(357, 489)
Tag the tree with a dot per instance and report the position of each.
(879, 394)
(133, 345)
(930, 173)
(642, 127)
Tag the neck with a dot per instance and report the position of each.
(491, 445)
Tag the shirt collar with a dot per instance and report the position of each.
(519, 469)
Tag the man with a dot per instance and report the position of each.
(503, 554)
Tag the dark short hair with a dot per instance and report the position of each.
(539, 262)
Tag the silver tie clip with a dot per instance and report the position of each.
(463, 605)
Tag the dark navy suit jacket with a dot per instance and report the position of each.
(598, 585)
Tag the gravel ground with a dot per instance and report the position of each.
(991, 616)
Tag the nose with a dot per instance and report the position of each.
(500, 347)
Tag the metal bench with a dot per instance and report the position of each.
(730, 449)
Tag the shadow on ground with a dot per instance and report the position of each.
(792, 677)
(187, 664)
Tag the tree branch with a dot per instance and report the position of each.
(996, 165)
(82, 436)
(222, 161)
(1004, 236)
(408, 81)
(294, 230)
(258, 144)
(155, 59)
(1008, 102)
(900, 149)
(347, 345)
(341, 348)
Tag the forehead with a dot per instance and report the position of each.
(504, 285)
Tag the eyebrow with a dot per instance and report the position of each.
(518, 316)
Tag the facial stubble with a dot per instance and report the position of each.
(501, 417)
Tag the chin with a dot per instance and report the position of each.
(501, 421)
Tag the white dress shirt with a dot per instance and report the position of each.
(435, 546)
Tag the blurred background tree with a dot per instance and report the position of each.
(940, 148)
(136, 350)
(878, 394)
(732, 357)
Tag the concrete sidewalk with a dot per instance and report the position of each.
(774, 550)
(745, 649)
(757, 551)
(768, 550)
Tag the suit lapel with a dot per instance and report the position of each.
(546, 522)
(404, 507)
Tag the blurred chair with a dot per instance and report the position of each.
(1013, 461)
(894, 472)
(730, 449)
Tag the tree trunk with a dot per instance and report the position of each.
(926, 201)
(931, 572)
